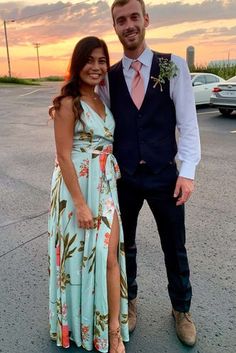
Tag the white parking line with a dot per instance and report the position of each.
(211, 112)
(26, 94)
(233, 132)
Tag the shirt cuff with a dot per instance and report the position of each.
(187, 170)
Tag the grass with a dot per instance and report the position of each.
(28, 81)
(20, 81)
(53, 78)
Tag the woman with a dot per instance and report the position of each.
(87, 288)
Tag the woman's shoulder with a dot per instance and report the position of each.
(66, 105)
(65, 108)
(67, 102)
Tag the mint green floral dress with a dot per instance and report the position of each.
(78, 305)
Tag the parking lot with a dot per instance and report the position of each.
(26, 164)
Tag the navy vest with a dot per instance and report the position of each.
(145, 134)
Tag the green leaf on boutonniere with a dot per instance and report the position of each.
(168, 69)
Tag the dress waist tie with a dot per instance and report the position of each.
(107, 161)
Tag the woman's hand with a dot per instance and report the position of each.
(84, 217)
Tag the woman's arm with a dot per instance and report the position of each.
(64, 121)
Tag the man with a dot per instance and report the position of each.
(148, 103)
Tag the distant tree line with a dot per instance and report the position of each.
(225, 71)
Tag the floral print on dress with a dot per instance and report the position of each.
(85, 332)
(109, 206)
(77, 258)
(84, 168)
(107, 238)
(100, 344)
(65, 336)
(64, 311)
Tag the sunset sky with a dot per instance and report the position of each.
(208, 25)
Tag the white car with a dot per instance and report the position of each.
(203, 83)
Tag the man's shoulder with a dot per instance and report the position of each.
(178, 59)
(170, 56)
(159, 55)
(115, 67)
(115, 71)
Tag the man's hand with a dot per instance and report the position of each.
(183, 190)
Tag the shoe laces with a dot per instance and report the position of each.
(186, 316)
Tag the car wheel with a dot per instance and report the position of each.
(226, 112)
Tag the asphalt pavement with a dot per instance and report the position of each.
(26, 164)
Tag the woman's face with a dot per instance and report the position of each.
(95, 69)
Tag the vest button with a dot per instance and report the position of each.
(140, 116)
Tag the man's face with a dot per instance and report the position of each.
(130, 24)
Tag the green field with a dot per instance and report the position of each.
(224, 71)
(28, 81)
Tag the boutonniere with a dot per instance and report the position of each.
(168, 69)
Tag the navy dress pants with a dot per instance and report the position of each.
(157, 190)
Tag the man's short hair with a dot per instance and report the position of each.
(124, 2)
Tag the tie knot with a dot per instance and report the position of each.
(136, 65)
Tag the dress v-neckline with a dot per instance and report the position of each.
(98, 115)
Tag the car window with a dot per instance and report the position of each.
(200, 78)
(211, 79)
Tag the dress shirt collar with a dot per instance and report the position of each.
(145, 58)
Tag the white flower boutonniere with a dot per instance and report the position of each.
(168, 69)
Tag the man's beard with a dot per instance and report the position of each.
(135, 44)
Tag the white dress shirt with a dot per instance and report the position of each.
(181, 93)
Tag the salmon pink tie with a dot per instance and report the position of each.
(137, 87)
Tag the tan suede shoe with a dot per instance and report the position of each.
(132, 314)
(185, 328)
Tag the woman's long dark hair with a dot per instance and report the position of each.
(79, 59)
